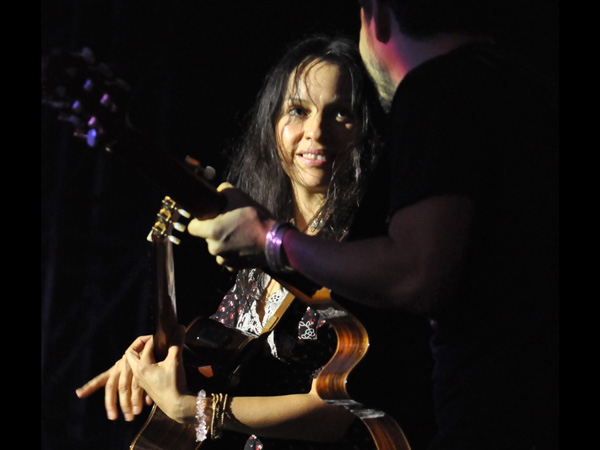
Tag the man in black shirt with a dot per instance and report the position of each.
(470, 240)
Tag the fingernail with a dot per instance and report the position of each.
(128, 417)
(136, 410)
(111, 415)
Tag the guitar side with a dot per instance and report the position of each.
(353, 344)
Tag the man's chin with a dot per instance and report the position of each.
(383, 83)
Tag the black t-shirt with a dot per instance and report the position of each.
(475, 122)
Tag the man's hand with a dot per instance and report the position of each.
(237, 236)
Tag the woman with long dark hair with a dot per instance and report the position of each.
(318, 193)
(257, 168)
(305, 157)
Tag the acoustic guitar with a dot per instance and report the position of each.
(89, 96)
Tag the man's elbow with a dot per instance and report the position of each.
(417, 295)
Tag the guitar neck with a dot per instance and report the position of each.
(194, 193)
(165, 301)
(162, 239)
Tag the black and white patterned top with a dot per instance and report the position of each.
(238, 310)
(299, 346)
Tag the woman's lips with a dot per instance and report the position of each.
(314, 158)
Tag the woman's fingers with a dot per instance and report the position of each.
(125, 390)
(93, 385)
(120, 384)
(111, 392)
(178, 339)
(137, 397)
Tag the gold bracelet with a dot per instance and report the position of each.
(223, 411)
(212, 420)
(218, 416)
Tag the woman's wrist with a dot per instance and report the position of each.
(210, 413)
(206, 412)
(185, 412)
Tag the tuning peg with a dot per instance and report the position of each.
(175, 240)
(121, 84)
(207, 172)
(60, 91)
(71, 71)
(179, 227)
(56, 104)
(88, 55)
(76, 106)
(104, 70)
(91, 137)
(106, 100)
(88, 85)
(73, 120)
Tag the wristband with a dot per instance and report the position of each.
(273, 246)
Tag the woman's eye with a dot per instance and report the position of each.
(344, 115)
(296, 111)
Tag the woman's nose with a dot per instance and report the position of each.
(315, 127)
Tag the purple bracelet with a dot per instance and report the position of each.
(273, 242)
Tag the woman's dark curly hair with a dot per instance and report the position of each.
(255, 165)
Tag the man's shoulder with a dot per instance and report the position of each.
(472, 77)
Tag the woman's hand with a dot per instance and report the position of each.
(164, 381)
(118, 381)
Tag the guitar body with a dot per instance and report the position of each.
(208, 344)
(218, 353)
(160, 432)
(352, 346)
(98, 118)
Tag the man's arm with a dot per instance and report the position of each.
(414, 267)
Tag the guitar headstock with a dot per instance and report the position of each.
(86, 94)
(167, 222)
(91, 98)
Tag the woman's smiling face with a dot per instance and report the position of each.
(316, 124)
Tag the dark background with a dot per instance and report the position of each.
(194, 69)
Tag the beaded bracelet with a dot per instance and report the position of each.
(273, 243)
(201, 431)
